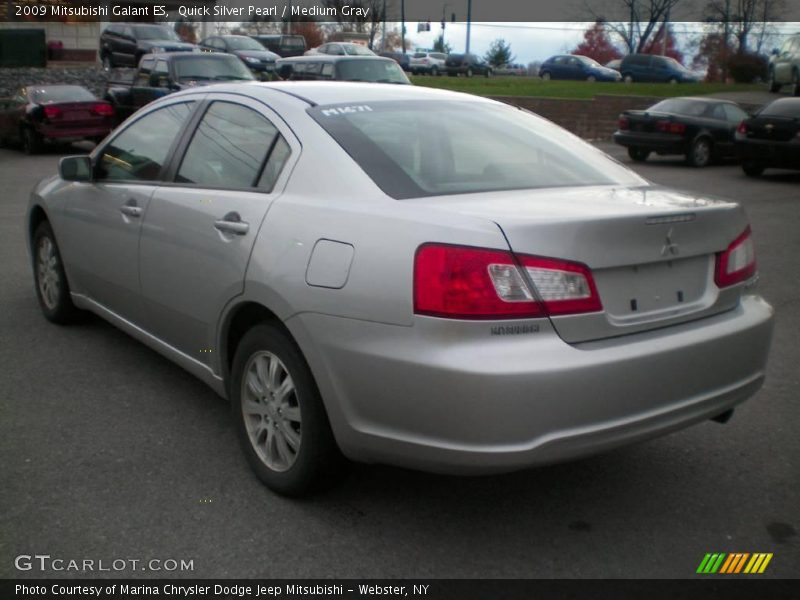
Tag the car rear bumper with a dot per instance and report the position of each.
(658, 142)
(770, 153)
(465, 397)
(74, 133)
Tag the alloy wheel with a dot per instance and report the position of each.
(47, 274)
(271, 411)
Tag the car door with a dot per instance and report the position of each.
(200, 228)
(102, 218)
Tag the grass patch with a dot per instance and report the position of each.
(533, 86)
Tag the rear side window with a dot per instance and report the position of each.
(229, 148)
(139, 152)
(414, 149)
(680, 106)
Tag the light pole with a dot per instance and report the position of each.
(469, 22)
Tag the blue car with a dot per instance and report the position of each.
(653, 68)
(576, 67)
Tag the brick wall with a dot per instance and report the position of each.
(592, 119)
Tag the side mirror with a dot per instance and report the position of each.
(75, 168)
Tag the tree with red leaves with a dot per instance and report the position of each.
(656, 45)
(597, 45)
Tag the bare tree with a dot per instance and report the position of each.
(744, 18)
(645, 18)
(371, 23)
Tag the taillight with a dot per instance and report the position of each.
(52, 112)
(462, 282)
(670, 127)
(738, 262)
(564, 287)
(624, 124)
(103, 109)
(742, 128)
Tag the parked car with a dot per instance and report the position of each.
(400, 58)
(342, 49)
(253, 55)
(784, 66)
(511, 70)
(283, 45)
(124, 44)
(614, 64)
(428, 63)
(771, 138)
(467, 65)
(702, 129)
(653, 68)
(37, 114)
(575, 67)
(465, 287)
(165, 73)
(323, 67)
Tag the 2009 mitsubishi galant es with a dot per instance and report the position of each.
(403, 275)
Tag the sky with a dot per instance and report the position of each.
(537, 41)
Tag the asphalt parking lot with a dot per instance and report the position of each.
(109, 451)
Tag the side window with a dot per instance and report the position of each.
(734, 114)
(228, 147)
(128, 33)
(143, 78)
(327, 71)
(719, 113)
(336, 49)
(139, 152)
(277, 158)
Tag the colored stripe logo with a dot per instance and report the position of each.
(734, 563)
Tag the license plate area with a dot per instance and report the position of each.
(77, 115)
(648, 291)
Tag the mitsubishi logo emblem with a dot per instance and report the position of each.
(670, 247)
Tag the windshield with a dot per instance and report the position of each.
(357, 50)
(216, 68)
(243, 43)
(681, 106)
(155, 32)
(60, 93)
(782, 108)
(421, 148)
(589, 61)
(376, 71)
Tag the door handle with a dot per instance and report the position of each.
(131, 210)
(232, 223)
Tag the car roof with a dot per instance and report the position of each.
(702, 99)
(332, 57)
(339, 92)
(179, 54)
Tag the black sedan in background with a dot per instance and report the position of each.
(257, 58)
(770, 138)
(702, 129)
(56, 113)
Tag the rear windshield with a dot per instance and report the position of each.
(376, 71)
(293, 42)
(214, 68)
(60, 93)
(782, 108)
(680, 106)
(419, 148)
(155, 32)
(243, 43)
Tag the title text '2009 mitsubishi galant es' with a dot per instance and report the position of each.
(404, 275)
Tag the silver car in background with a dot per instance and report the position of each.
(403, 275)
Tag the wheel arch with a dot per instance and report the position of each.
(36, 216)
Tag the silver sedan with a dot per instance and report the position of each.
(403, 275)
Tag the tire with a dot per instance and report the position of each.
(638, 154)
(673, 81)
(52, 288)
(108, 63)
(546, 76)
(752, 169)
(468, 72)
(287, 440)
(627, 78)
(591, 79)
(434, 71)
(31, 141)
(774, 86)
(699, 154)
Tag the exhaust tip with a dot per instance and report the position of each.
(723, 417)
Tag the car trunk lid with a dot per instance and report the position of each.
(772, 128)
(651, 251)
